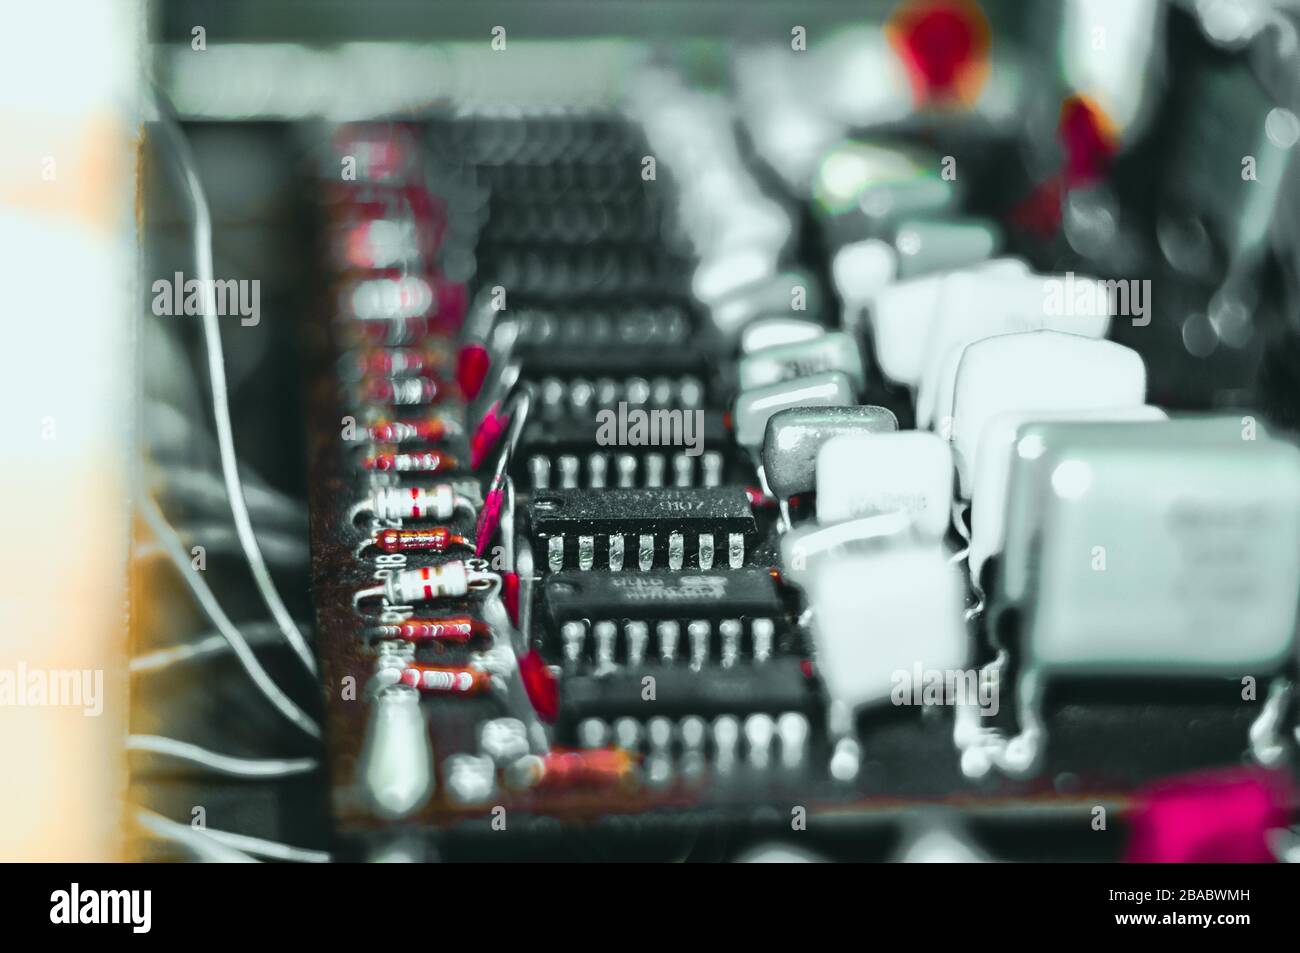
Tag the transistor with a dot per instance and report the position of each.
(577, 527)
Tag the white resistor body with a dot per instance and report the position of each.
(429, 582)
(436, 502)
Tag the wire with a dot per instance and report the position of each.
(198, 585)
(221, 763)
(224, 846)
(255, 633)
(269, 848)
(194, 839)
(198, 487)
(220, 396)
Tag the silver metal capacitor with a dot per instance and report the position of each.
(794, 436)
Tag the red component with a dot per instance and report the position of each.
(758, 498)
(426, 462)
(1089, 141)
(489, 518)
(1220, 817)
(572, 767)
(486, 436)
(455, 629)
(401, 361)
(806, 666)
(429, 430)
(541, 685)
(437, 539)
(438, 680)
(510, 595)
(945, 46)
(471, 369)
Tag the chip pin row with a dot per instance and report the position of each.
(761, 738)
(601, 643)
(646, 546)
(666, 326)
(580, 397)
(629, 470)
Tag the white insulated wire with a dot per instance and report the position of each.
(212, 643)
(220, 396)
(223, 846)
(221, 763)
(171, 544)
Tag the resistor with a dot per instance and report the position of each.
(457, 629)
(436, 502)
(446, 681)
(437, 539)
(400, 361)
(446, 581)
(403, 391)
(574, 767)
(426, 461)
(427, 430)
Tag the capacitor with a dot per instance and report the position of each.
(449, 580)
(437, 502)
(909, 472)
(1146, 551)
(988, 486)
(1042, 371)
(793, 294)
(976, 307)
(793, 437)
(833, 351)
(893, 608)
(427, 461)
(755, 407)
(902, 314)
(395, 768)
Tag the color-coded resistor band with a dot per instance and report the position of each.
(427, 461)
(436, 539)
(446, 681)
(456, 629)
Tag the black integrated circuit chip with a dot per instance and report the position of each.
(673, 527)
(659, 595)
